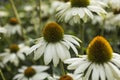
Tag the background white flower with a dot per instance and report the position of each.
(13, 27)
(114, 4)
(33, 72)
(68, 76)
(15, 55)
(73, 15)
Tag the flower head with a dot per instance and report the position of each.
(100, 63)
(14, 48)
(13, 21)
(54, 44)
(13, 27)
(114, 4)
(75, 11)
(99, 50)
(29, 72)
(14, 53)
(32, 72)
(53, 32)
(66, 77)
(80, 3)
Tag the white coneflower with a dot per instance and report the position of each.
(33, 72)
(67, 76)
(13, 27)
(14, 53)
(54, 44)
(100, 63)
(76, 10)
(114, 4)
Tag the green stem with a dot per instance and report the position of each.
(17, 15)
(15, 11)
(39, 12)
(62, 68)
(1, 73)
(102, 28)
(82, 37)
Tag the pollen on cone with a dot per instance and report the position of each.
(80, 3)
(13, 21)
(14, 47)
(99, 50)
(66, 77)
(53, 32)
(29, 72)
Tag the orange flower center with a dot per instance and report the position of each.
(66, 77)
(13, 21)
(29, 72)
(53, 32)
(14, 48)
(99, 50)
(80, 3)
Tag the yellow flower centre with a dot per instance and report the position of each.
(29, 72)
(66, 77)
(53, 32)
(99, 50)
(80, 3)
(13, 21)
(14, 48)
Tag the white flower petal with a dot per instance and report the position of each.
(81, 12)
(102, 72)
(55, 56)
(71, 39)
(87, 75)
(82, 68)
(40, 76)
(72, 46)
(66, 52)
(40, 68)
(97, 9)
(18, 76)
(48, 54)
(60, 51)
(108, 72)
(116, 62)
(95, 73)
(115, 70)
(65, 44)
(39, 52)
(69, 61)
(34, 47)
(75, 64)
(21, 56)
(88, 12)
